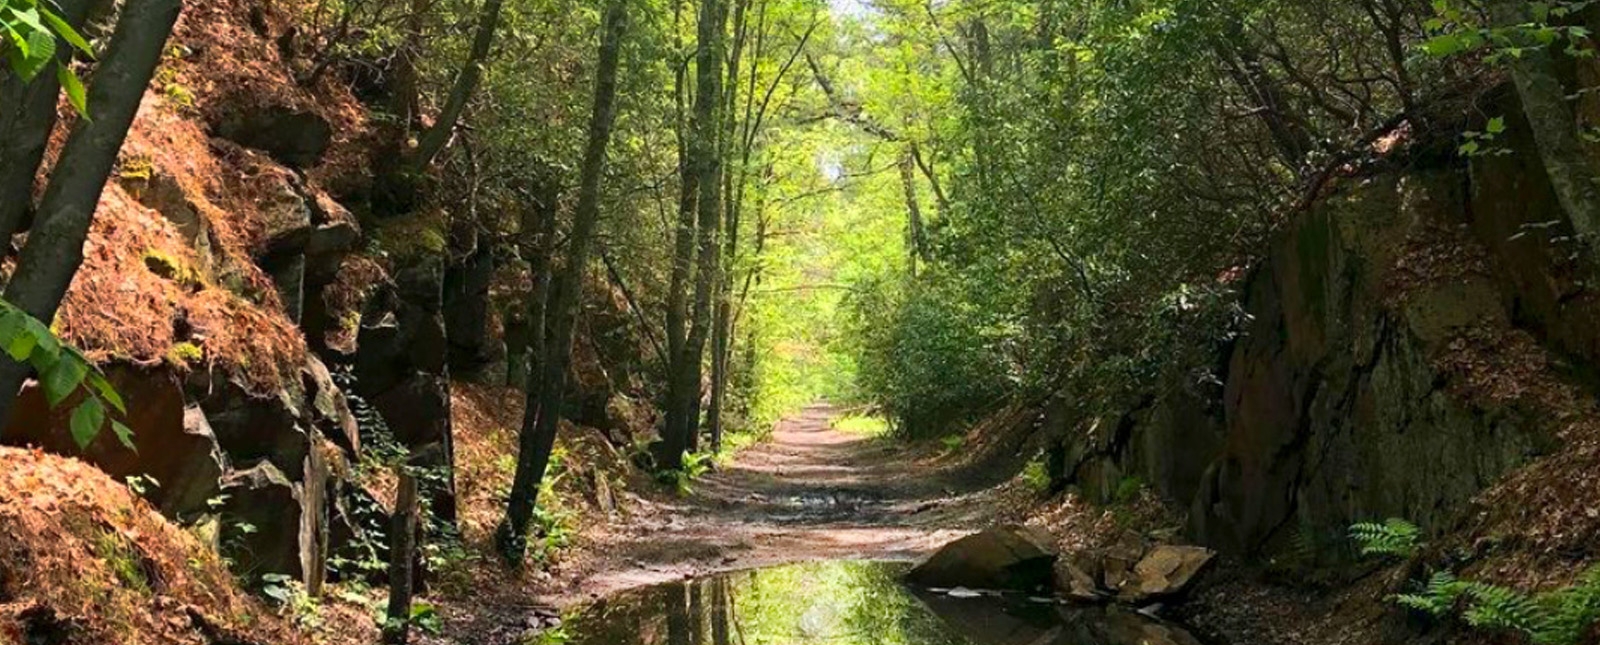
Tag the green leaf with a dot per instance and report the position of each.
(20, 347)
(66, 32)
(45, 338)
(76, 95)
(1445, 45)
(41, 50)
(1496, 125)
(86, 422)
(62, 379)
(124, 434)
(106, 391)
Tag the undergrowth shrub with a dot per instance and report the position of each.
(1558, 617)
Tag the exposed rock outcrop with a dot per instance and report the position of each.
(1348, 395)
(175, 445)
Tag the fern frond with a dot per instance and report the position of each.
(1394, 537)
(1569, 612)
(1437, 598)
(1496, 607)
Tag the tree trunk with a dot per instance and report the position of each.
(466, 83)
(732, 190)
(402, 545)
(1555, 129)
(525, 484)
(25, 129)
(568, 294)
(917, 233)
(683, 392)
(55, 247)
(684, 235)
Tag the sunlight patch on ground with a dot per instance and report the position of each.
(862, 425)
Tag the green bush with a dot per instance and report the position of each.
(929, 356)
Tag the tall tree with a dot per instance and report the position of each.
(55, 247)
(539, 435)
(467, 79)
(683, 389)
(25, 130)
(684, 233)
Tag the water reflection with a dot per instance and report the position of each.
(846, 603)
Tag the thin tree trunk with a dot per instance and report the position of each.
(466, 83)
(525, 484)
(402, 545)
(682, 424)
(919, 236)
(1555, 129)
(25, 131)
(732, 189)
(55, 247)
(684, 235)
(568, 294)
(941, 202)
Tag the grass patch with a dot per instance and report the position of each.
(863, 425)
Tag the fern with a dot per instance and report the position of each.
(1559, 617)
(1569, 612)
(1394, 537)
(1437, 598)
(1496, 607)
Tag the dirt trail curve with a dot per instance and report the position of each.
(808, 493)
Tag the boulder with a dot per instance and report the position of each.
(294, 137)
(417, 411)
(1164, 571)
(285, 214)
(175, 446)
(330, 410)
(288, 273)
(467, 313)
(1118, 560)
(261, 523)
(251, 427)
(1076, 582)
(1010, 557)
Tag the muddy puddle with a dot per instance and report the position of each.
(845, 603)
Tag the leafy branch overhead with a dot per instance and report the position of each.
(31, 30)
(62, 371)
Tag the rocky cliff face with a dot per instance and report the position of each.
(269, 323)
(1401, 358)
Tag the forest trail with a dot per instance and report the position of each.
(809, 492)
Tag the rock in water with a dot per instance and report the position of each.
(1010, 557)
(1165, 570)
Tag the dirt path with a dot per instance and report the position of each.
(808, 493)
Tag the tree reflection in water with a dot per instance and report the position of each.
(846, 603)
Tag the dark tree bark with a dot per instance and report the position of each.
(562, 312)
(683, 391)
(402, 544)
(435, 137)
(25, 129)
(685, 234)
(540, 240)
(55, 247)
(732, 188)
